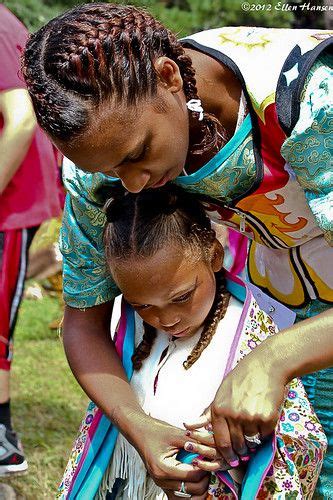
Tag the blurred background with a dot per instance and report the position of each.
(186, 16)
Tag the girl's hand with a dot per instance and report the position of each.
(247, 402)
(158, 444)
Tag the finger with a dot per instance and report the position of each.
(250, 431)
(201, 421)
(267, 426)
(203, 437)
(223, 441)
(182, 472)
(239, 444)
(212, 466)
(206, 451)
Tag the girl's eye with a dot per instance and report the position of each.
(141, 307)
(185, 297)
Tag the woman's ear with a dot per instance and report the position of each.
(217, 256)
(169, 74)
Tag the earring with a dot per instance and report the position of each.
(196, 106)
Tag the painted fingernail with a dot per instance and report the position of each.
(195, 463)
(209, 427)
(234, 463)
(188, 446)
(187, 433)
(245, 458)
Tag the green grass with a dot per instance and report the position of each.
(47, 403)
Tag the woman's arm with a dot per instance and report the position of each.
(249, 398)
(98, 369)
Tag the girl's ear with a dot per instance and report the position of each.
(169, 74)
(217, 256)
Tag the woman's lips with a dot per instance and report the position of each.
(161, 182)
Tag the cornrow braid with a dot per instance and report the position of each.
(217, 313)
(142, 351)
(97, 52)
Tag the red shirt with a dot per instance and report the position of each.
(32, 195)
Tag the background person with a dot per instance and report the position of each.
(28, 196)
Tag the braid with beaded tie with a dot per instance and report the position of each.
(100, 52)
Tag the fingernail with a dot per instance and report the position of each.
(245, 458)
(209, 427)
(195, 463)
(188, 446)
(234, 463)
(187, 433)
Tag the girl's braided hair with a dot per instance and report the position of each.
(140, 224)
(96, 52)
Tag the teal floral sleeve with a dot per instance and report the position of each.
(87, 282)
(309, 149)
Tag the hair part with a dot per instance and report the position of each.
(101, 53)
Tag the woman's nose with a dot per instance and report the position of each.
(132, 180)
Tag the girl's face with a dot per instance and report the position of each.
(144, 146)
(170, 291)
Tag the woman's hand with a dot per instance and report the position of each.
(158, 444)
(247, 403)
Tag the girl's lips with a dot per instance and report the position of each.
(181, 334)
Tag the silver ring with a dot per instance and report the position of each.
(255, 439)
(182, 491)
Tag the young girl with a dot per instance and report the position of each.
(189, 332)
(233, 115)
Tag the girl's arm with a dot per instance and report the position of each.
(96, 366)
(249, 398)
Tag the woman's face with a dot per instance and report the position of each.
(144, 147)
(169, 290)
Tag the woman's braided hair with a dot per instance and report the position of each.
(97, 52)
(140, 224)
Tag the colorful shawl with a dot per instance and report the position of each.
(299, 439)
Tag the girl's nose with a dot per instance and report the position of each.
(168, 322)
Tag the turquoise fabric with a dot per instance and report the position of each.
(309, 149)
(95, 464)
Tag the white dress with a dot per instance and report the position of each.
(168, 392)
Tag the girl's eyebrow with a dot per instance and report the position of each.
(132, 303)
(187, 289)
(174, 295)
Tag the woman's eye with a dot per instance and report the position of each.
(185, 297)
(140, 156)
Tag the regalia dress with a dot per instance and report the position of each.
(272, 182)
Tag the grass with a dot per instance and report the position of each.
(47, 403)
